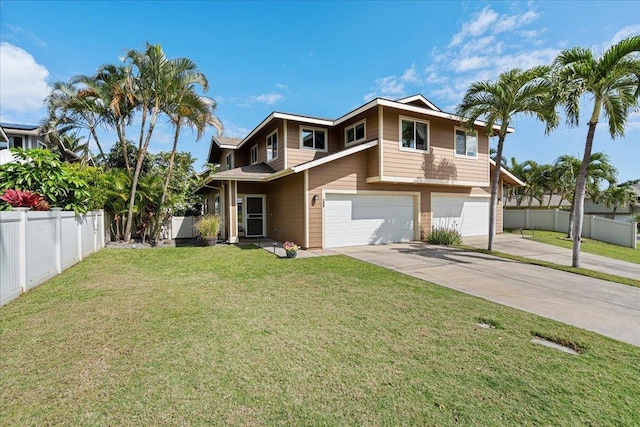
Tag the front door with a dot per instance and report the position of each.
(254, 216)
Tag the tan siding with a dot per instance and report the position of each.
(371, 128)
(373, 161)
(440, 163)
(285, 209)
(296, 155)
(350, 173)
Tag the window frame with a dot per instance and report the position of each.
(414, 120)
(229, 161)
(254, 151)
(315, 129)
(348, 143)
(270, 139)
(455, 143)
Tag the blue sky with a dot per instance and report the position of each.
(317, 58)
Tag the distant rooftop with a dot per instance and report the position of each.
(18, 126)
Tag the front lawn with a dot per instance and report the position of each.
(591, 246)
(235, 336)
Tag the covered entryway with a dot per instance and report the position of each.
(469, 215)
(251, 215)
(368, 219)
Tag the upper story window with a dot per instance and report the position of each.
(466, 143)
(414, 134)
(229, 161)
(355, 133)
(272, 146)
(254, 154)
(313, 138)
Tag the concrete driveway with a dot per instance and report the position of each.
(607, 308)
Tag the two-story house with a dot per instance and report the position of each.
(20, 136)
(387, 171)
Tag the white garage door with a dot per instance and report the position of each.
(470, 215)
(357, 219)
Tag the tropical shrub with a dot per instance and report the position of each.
(25, 199)
(445, 235)
(42, 172)
(208, 226)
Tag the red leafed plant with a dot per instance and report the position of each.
(25, 199)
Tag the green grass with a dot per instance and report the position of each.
(233, 336)
(591, 246)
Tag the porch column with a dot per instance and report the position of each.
(233, 211)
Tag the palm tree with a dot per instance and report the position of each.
(112, 84)
(497, 103)
(150, 85)
(77, 108)
(186, 108)
(618, 196)
(613, 81)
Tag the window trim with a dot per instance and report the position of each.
(229, 161)
(313, 128)
(275, 132)
(254, 149)
(415, 120)
(354, 126)
(466, 131)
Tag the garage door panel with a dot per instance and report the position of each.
(368, 219)
(470, 215)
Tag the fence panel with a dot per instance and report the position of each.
(182, 227)
(35, 246)
(620, 233)
(10, 232)
(41, 255)
(69, 239)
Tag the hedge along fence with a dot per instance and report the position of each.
(35, 246)
(619, 233)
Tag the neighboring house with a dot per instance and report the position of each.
(20, 136)
(387, 171)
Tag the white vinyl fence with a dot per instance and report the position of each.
(35, 246)
(182, 227)
(621, 233)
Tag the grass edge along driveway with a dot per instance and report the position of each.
(235, 336)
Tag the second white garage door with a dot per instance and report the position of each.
(470, 215)
(362, 219)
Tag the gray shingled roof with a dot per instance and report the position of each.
(226, 140)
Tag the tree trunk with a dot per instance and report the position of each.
(615, 208)
(578, 199)
(95, 137)
(136, 174)
(495, 183)
(123, 142)
(571, 209)
(170, 167)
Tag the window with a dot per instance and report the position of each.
(312, 138)
(272, 146)
(466, 143)
(254, 154)
(16, 142)
(229, 161)
(355, 133)
(414, 134)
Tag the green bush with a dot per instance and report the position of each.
(445, 236)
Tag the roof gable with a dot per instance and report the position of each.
(418, 101)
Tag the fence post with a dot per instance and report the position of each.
(526, 218)
(593, 226)
(95, 231)
(555, 220)
(57, 238)
(22, 248)
(79, 228)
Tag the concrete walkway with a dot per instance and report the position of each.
(604, 307)
(516, 245)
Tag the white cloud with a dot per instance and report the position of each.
(27, 33)
(623, 33)
(23, 82)
(235, 131)
(489, 21)
(410, 75)
(281, 86)
(471, 63)
(266, 98)
(386, 87)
